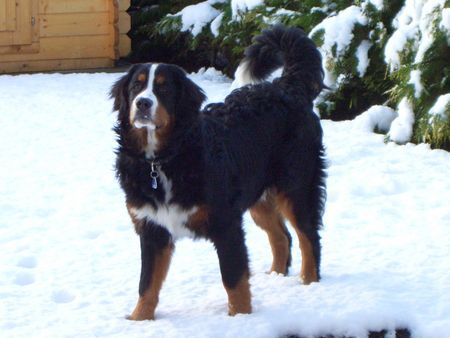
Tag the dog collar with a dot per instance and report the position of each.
(155, 165)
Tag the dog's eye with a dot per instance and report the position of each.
(137, 85)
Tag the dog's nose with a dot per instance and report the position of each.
(144, 103)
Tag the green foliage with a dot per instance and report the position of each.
(356, 93)
(434, 71)
(437, 131)
(156, 35)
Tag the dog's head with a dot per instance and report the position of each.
(155, 99)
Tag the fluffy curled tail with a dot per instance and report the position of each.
(283, 46)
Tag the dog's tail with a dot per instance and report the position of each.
(283, 46)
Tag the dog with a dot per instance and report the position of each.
(188, 171)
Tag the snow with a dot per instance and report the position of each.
(212, 2)
(242, 6)
(216, 23)
(415, 80)
(338, 28)
(412, 21)
(278, 16)
(376, 117)
(363, 57)
(286, 12)
(70, 259)
(445, 22)
(338, 32)
(402, 127)
(195, 17)
(406, 29)
(426, 26)
(441, 107)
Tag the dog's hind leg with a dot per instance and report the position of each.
(308, 235)
(156, 254)
(267, 217)
(228, 239)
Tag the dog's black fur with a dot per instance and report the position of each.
(263, 137)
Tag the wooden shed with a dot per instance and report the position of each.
(49, 35)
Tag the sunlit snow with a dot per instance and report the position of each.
(70, 259)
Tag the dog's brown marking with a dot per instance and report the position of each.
(142, 77)
(145, 307)
(266, 216)
(138, 223)
(164, 123)
(198, 221)
(239, 297)
(160, 79)
(136, 139)
(309, 269)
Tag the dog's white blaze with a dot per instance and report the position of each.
(168, 215)
(152, 142)
(147, 93)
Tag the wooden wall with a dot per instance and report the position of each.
(65, 34)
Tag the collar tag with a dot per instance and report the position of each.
(154, 174)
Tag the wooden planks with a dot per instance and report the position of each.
(19, 49)
(65, 32)
(73, 24)
(121, 25)
(17, 28)
(124, 26)
(23, 33)
(54, 65)
(7, 15)
(67, 47)
(73, 6)
(124, 22)
(124, 45)
(124, 5)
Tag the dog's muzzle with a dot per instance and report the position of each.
(143, 114)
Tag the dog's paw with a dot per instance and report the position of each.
(243, 309)
(275, 273)
(140, 316)
(308, 279)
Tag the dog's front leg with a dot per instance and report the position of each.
(156, 252)
(233, 259)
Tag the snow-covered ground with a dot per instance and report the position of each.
(69, 258)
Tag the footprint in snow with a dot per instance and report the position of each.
(24, 278)
(62, 296)
(28, 262)
(93, 234)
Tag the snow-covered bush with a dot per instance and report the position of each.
(351, 41)
(417, 53)
(393, 53)
(375, 52)
(154, 38)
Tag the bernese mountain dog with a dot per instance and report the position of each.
(193, 172)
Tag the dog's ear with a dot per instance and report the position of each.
(190, 94)
(119, 90)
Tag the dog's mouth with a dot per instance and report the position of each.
(146, 122)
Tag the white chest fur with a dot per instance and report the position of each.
(172, 217)
(168, 215)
